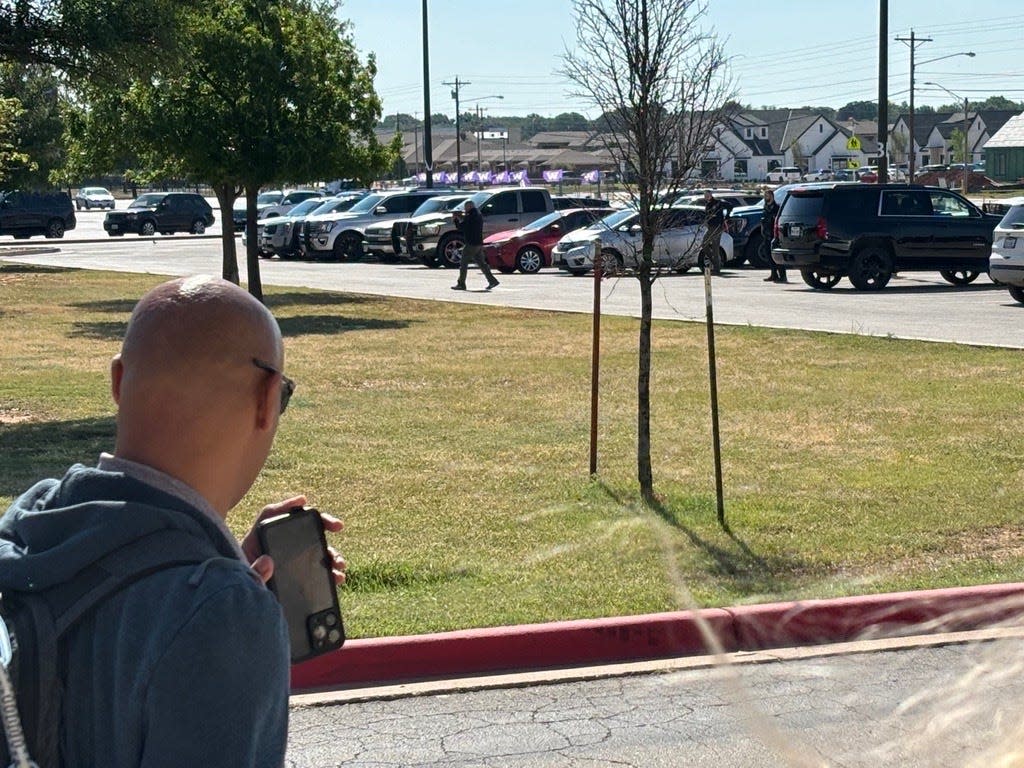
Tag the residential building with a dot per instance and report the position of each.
(1004, 152)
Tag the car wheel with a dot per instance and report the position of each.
(147, 228)
(611, 262)
(821, 281)
(88, 205)
(198, 227)
(1017, 294)
(348, 246)
(78, 205)
(55, 228)
(529, 260)
(871, 268)
(959, 276)
(450, 250)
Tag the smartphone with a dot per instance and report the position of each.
(302, 581)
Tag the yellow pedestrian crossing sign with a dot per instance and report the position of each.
(853, 144)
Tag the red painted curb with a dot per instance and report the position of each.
(653, 636)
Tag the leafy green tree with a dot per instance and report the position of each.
(39, 126)
(12, 159)
(264, 93)
(89, 39)
(958, 145)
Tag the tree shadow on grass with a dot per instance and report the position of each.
(735, 562)
(31, 451)
(115, 306)
(8, 268)
(319, 299)
(99, 331)
(325, 325)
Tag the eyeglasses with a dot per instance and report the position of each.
(287, 385)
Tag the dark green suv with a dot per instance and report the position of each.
(868, 232)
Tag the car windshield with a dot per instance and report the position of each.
(1014, 218)
(543, 221)
(367, 204)
(436, 204)
(613, 220)
(269, 198)
(95, 191)
(146, 201)
(306, 206)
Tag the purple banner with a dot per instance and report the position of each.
(553, 177)
(591, 177)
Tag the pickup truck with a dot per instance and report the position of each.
(434, 239)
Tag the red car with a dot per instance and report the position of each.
(528, 249)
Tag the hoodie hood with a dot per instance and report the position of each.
(59, 527)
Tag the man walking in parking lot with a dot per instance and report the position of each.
(771, 211)
(714, 222)
(471, 225)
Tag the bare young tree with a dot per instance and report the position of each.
(660, 80)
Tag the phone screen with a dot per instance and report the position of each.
(303, 581)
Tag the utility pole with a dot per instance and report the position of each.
(479, 119)
(913, 42)
(428, 158)
(458, 129)
(883, 90)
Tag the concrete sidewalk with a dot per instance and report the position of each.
(589, 642)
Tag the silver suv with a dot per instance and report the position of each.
(341, 235)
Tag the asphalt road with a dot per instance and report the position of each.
(861, 705)
(914, 305)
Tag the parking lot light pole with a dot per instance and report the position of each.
(967, 127)
(913, 42)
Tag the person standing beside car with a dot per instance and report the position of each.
(471, 224)
(768, 216)
(715, 212)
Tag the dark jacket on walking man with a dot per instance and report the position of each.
(715, 211)
(771, 212)
(471, 225)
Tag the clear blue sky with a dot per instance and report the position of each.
(784, 52)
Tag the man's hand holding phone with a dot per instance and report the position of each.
(263, 564)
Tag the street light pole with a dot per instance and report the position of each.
(967, 127)
(913, 42)
(428, 150)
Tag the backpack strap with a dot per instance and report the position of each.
(156, 551)
(67, 604)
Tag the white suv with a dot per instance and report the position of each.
(617, 240)
(340, 235)
(787, 173)
(1006, 263)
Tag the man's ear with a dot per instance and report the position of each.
(269, 404)
(116, 375)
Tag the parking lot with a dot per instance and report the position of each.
(915, 305)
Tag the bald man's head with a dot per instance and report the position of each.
(192, 401)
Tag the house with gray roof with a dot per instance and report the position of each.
(1004, 152)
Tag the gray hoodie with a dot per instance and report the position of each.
(187, 667)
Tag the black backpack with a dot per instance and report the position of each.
(35, 626)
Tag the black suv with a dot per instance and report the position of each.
(163, 212)
(868, 232)
(24, 214)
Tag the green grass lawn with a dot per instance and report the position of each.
(453, 440)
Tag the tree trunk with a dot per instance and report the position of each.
(229, 259)
(252, 249)
(643, 389)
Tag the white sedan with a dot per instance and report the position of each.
(1006, 264)
(617, 240)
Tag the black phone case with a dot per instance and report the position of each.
(303, 582)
